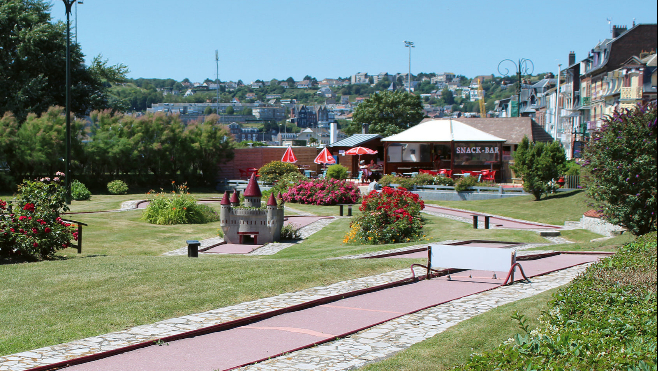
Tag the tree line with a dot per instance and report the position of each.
(146, 151)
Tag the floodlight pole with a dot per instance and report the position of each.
(409, 44)
(67, 166)
(217, 61)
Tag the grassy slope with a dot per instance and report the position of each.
(554, 209)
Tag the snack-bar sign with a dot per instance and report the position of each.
(462, 150)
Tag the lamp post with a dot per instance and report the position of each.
(523, 67)
(557, 101)
(67, 167)
(409, 44)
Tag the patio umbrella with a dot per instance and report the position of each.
(289, 156)
(360, 151)
(325, 158)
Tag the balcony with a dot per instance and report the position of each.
(585, 101)
(631, 93)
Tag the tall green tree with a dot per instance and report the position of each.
(389, 113)
(621, 159)
(33, 64)
(538, 164)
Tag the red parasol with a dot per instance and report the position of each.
(325, 157)
(360, 151)
(289, 156)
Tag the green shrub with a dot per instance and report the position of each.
(289, 232)
(337, 172)
(466, 183)
(117, 187)
(605, 319)
(284, 184)
(177, 207)
(444, 181)
(389, 216)
(572, 168)
(621, 159)
(538, 164)
(275, 170)
(79, 191)
(418, 180)
(36, 230)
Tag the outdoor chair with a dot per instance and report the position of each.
(446, 172)
(489, 175)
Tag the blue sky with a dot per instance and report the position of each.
(265, 39)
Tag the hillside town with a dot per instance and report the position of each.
(618, 72)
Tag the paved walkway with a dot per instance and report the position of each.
(285, 333)
(494, 222)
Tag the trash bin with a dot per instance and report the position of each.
(193, 248)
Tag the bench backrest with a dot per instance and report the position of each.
(472, 257)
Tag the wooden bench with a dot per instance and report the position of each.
(471, 258)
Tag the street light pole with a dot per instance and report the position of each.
(409, 44)
(523, 67)
(67, 167)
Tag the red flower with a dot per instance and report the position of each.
(47, 230)
(35, 244)
(28, 207)
(22, 217)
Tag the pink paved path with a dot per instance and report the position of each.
(294, 330)
(496, 221)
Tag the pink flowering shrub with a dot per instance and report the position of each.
(389, 216)
(33, 229)
(323, 192)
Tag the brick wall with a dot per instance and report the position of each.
(259, 156)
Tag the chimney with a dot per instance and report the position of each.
(364, 128)
(618, 31)
(572, 58)
(333, 130)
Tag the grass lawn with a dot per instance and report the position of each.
(553, 209)
(51, 302)
(455, 345)
(120, 280)
(328, 242)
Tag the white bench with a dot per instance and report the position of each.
(471, 257)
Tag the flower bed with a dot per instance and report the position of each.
(389, 216)
(323, 192)
(33, 228)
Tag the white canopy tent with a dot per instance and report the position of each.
(442, 130)
(420, 146)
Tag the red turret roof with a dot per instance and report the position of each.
(225, 200)
(271, 201)
(253, 190)
(234, 198)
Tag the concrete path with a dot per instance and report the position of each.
(288, 332)
(494, 221)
